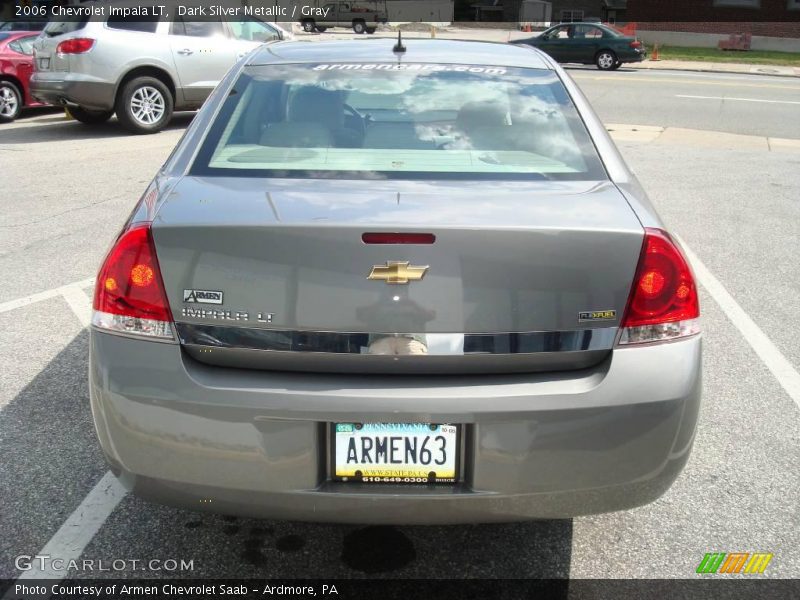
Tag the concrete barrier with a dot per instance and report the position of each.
(711, 40)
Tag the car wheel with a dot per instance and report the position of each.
(10, 102)
(616, 66)
(90, 117)
(605, 60)
(308, 26)
(359, 27)
(144, 105)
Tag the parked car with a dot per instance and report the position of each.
(140, 68)
(365, 291)
(588, 43)
(363, 16)
(15, 25)
(16, 66)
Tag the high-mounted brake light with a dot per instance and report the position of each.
(398, 238)
(75, 46)
(129, 295)
(663, 304)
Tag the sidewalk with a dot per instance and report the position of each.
(717, 67)
(651, 134)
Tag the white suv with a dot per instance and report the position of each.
(141, 68)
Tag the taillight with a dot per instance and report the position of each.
(636, 44)
(663, 304)
(129, 294)
(75, 46)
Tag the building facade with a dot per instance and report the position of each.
(771, 18)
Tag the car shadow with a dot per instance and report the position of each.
(51, 460)
(59, 128)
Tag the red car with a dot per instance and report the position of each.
(16, 66)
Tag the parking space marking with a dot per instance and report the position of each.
(79, 302)
(769, 354)
(737, 99)
(74, 535)
(45, 295)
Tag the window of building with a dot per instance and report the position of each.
(739, 3)
(793, 5)
(571, 16)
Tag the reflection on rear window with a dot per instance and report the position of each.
(55, 28)
(386, 120)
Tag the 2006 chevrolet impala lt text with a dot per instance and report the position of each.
(396, 284)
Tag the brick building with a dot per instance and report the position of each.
(773, 18)
(574, 10)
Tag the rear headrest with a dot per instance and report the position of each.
(480, 114)
(311, 103)
(296, 135)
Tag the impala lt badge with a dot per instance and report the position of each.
(397, 272)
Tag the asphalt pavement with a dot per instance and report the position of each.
(68, 189)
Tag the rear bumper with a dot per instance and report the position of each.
(633, 57)
(70, 88)
(255, 443)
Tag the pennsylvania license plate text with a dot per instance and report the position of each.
(395, 452)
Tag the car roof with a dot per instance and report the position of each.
(378, 50)
(590, 23)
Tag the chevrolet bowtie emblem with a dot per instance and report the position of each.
(397, 272)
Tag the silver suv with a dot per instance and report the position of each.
(141, 68)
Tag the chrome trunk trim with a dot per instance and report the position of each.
(420, 344)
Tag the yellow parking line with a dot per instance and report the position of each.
(737, 84)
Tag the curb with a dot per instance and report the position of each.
(712, 70)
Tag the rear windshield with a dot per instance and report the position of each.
(55, 28)
(390, 121)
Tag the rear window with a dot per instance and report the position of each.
(138, 23)
(22, 45)
(390, 121)
(54, 28)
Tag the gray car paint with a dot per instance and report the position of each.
(536, 445)
(522, 262)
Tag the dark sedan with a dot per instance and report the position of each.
(588, 43)
(16, 66)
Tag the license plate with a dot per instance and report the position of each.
(395, 452)
(44, 63)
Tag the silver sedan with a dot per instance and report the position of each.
(386, 283)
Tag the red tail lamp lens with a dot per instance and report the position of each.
(75, 46)
(664, 290)
(130, 283)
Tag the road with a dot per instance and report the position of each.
(734, 202)
(744, 104)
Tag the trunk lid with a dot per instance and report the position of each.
(521, 276)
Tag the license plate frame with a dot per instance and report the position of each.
(371, 479)
(44, 63)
